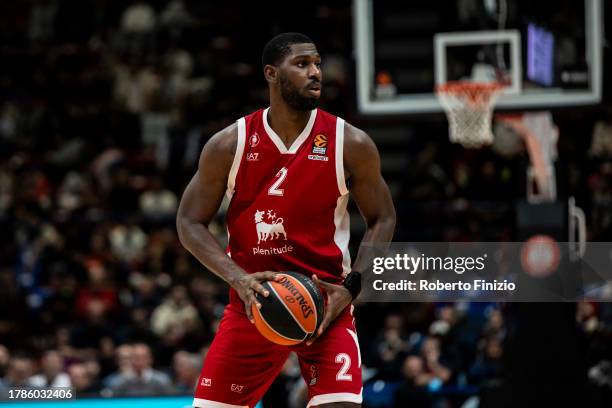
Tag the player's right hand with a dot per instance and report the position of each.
(248, 285)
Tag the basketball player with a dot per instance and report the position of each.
(287, 171)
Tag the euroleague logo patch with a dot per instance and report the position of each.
(319, 145)
(319, 148)
(320, 140)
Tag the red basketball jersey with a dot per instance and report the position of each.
(287, 208)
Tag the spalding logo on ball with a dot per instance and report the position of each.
(292, 312)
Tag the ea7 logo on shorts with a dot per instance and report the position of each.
(237, 388)
(252, 156)
(206, 382)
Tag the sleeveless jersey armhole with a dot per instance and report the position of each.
(340, 157)
(231, 179)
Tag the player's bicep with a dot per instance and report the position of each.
(366, 184)
(201, 199)
(204, 193)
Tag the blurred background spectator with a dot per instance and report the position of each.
(52, 372)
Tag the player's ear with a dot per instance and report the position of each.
(271, 73)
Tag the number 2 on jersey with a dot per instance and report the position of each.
(274, 188)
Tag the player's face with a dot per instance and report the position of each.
(300, 77)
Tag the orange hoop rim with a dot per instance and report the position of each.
(476, 95)
(453, 87)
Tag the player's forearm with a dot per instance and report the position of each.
(198, 240)
(376, 240)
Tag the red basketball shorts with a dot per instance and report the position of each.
(241, 364)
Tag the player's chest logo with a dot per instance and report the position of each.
(254, 139)
(269, 226)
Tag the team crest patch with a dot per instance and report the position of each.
(269, 229)
(254, 140)
(319, 144)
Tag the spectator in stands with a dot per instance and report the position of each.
(142, 379)
(107, 356)
(176, 311)
(186, 367)
(99, 292)
(487, 366)
(586, 316)
(175, 17)
(494, 327)
(450, 328)
(434, 367)
(128, 242)
(146, 293)
(138, 328)
(5, 358)
(83, 380)
(52, 372)
(391, 346)
(413, 390)
(158, 202)
(123, 359)
(6, 189)
(139, 17)
(20, 369)
(136, 84)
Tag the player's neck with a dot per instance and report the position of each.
(286, 122)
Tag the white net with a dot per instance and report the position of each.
(469, 107)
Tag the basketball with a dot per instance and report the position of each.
(292, 312)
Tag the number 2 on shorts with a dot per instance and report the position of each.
(345, 360)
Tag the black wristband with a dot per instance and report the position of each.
(352, 283)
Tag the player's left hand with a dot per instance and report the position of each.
(338, 298)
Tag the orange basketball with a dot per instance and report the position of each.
(292, 312)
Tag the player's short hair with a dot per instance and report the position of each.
(280, 46)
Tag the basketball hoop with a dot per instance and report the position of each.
(469, 107)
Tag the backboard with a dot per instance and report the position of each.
(549, 52)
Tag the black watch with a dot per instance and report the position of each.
(352, 283)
